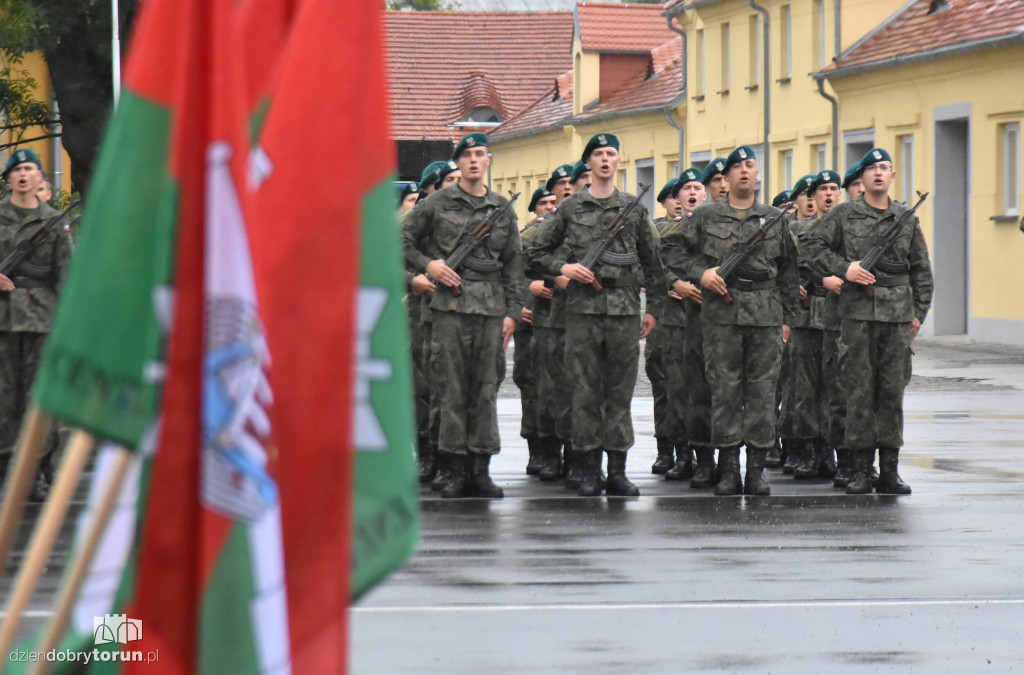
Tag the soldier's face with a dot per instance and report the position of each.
(742, 177)
(473, 163)
(451, 179)
(719, 187)
(672, 206)
(804, 206)
(582, 182)
(878, 177)
(826, 196)
(407, 203)
(544, 205)
(855, 189)
(692, 195)
(604, 162)
(25, 178)
(562, 189)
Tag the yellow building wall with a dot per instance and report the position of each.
(35, 64)
(901, 100)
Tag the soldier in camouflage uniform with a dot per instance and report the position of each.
(654, 364)
(524, 368)
(745, 320)
(714, 179)
(602, 347)
(560, 183)
(853, 183)
(28, 302)
(474, 309)
(878, 321)
(581, 177)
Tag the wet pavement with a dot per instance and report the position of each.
(809, 580)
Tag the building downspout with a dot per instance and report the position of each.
(835, 121)
(56, 168)
(680, 98)
(766, 169)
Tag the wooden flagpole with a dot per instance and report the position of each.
(27, 456)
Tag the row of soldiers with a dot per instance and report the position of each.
(715, 344)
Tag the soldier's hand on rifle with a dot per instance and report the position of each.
(833, 284)
(786, 330)
(647, 324)
(540, 290)
(6, 284)
(507, 328)
(859, 275)
(421, 285)
(686, 290)
(711, 281)
(438, 270)
(915, 326)
(578, 272)
(526, 316)
(562, 281)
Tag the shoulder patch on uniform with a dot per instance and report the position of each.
(689, 214)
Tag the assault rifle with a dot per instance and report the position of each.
(742, 251)
(600, 245)
(469, 240)
(886, 239)
(9, 264)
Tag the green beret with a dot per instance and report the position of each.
(715, 167)
(691, 175)
(473, 140)
(874, 156)
(446, 169)
(23, 156)
(409, 189)
(600, 141)
(669, 190)
(802, 185)
(564, 171)
(852, 174)
(781, 199)
(431, 173)
(578, 170)
(538, 194)
(740, 154)
(824, 178)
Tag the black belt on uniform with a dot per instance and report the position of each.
(468, 274)
(890, 282)
(820, 291)
(627, 281)
(748, 285)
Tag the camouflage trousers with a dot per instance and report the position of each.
(19, 361)
(698, 395)
(873, 357)
(464, 354)
(743, 370)
(835, 402)
(803, 401)
(524, 374)
(555, 418)
(601, 361)
(676, 384)
(654, 366)
(419, 346)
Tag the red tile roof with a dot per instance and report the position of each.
(613, 27)
(657, 90)
(444, 64)
(914, 34)
(550, 111)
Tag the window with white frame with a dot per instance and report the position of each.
(754, 40)
(818, 157)
(786, 161)
(1011, 169)
(818, 16)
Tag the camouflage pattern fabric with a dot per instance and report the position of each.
(524, 374)
(835, 402)
(698, 395)
(873, 357)
(804, 401)
(676, 384)
(601, 361)
(654, 366)
(19, 360)
(420, 351)
(555, 417)
(464, 352)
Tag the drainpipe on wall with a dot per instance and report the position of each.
(766, 169)
(835, 122)
(56, 170)
(681, 98)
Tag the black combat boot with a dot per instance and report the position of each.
(889, 481)
(844, 467)
(683, 470)
(535, 446)
(664, 461)
(790, 455)
(480, 483)
(618, 485)
(441, 473)
(590, 469)
(551, 462)
(755, 484)
(873, 471)
(807, 462)
(706, 474)
(774, 458)
(455, 467)
(860, 482)
(572, 471)
(427, 459)
(827, 466)
(729, 481)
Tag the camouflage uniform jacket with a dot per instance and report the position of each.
(809, 277)
(769, 300)
(903, 290)
(824, 303)
(30, 307)
(434, 229)
(566, 236)
(674, 312)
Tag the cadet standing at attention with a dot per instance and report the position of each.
(744, 320)
(603, 308)
(879, 319)
(474, 309)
